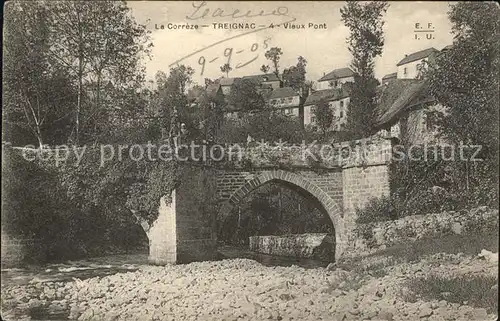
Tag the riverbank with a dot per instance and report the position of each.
(376, 288)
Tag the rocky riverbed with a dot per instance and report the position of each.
(243, 289)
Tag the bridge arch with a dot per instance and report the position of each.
(331, 206)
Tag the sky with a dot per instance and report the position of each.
(324, 49)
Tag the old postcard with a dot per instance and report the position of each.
(250, 160)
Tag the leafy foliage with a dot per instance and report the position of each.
(365, 41)
(378, 210)
(120, 185)
(468, 89)
(324, 116)
(36, 93)
(226, 68)
(465, 81)
(41, 202)
(478, 291)
(432, 185)
(265, 125)
(295, 76)
(80, 68)
(245, 96)
(274, 55)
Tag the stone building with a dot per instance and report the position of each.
(405, 107)
(285, 100)
(335, 78)
(410, 66)
(404, 111)
(338, 100)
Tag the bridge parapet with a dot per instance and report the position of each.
(359, 153)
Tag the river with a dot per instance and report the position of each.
(67, 271)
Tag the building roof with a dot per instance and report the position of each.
(337, 73)
(210, 92)
(263, 77)
(417, 56)
(283, 93)
(227, 81)
(389, 76)
(328, 95)
(194, 93)
(447, 48)
(400, 95)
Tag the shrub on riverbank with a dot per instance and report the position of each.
(477, 291)
(76, 211)
(431, 182)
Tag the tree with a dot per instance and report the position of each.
(172, 93)
(274, 55)
(365, 41)
(264, 69)
(295, 76)
(208, 82)
(97, 43)
(36, 89)
(245, 96)
(324, 116)
(465, 81)
(226, 68)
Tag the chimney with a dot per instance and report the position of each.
(324, 74)
(406, 55)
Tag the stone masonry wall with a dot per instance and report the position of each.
(376, 236)
(195, 215)
(359, 186)
(16, 251)
(362, 173)
(185, 228)
(317, 245)
(162, 234)
(228, 182)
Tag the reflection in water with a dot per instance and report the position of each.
(66, 271)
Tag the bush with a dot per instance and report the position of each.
(264, 125)
(378, 210)
(433, 184)
(478, 291)
(80, 211)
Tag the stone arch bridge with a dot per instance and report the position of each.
(352, 174)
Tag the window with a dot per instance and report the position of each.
(405, 71)
(273, 102)
(430, 122)
(336, 83)
(313, 119)
(289, 100)
(282, 100)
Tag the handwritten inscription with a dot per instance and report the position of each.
(201, 11)
(228, 53)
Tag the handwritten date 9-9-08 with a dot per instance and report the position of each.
(228, 53)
